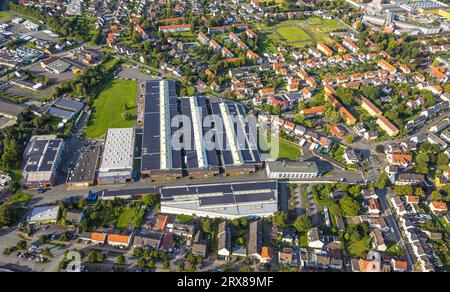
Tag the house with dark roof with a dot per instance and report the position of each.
(224, 240)
(254, 247)
(201, 244)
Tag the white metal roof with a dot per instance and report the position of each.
(118, 150)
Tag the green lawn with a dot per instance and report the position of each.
(337, 153)
(359, 249)
(299, 32)
(293, 34)
(4, 16)
(109, 106)
(20, 197)
(126, 218)
(285, 150)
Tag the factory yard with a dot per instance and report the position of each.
(109, 107)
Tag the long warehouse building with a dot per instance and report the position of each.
(226, 200)
(236, 141)
(191, 136)
(200, 154)
(117, 158)
(159, 160)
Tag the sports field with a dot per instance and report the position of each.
(109, 106)
(298, 33)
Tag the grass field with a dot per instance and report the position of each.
(126, 218)
(337, 153)
(293, 33)
(298, 33)
(359, 249)
(109, 106)
(286, 150)
(20, 197)
(5, 15)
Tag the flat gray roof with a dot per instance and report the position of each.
(293, 167)
(11, 108)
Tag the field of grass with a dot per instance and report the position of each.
(337, 153)
(109, 106)
(299, 33)
(286, 150)
(126, 218)
(20, 197)
(293, 33)
(359, 249)
(4, 16)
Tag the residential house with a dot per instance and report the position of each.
(438, 208)
(314, 238)
(224, 240)
(254, 247)
(378, 242)
(403, 160)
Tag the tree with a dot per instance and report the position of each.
(127, 116)
(6, 215)
(345, 95)
(382, 181)
(151, 200)
(141, 263)
(442, 161)
(180, 266)
(92, 256)
(151, 264)
(436, 196)
(120, 260)
(279, 218)
(101, 257)
(207, 225)
(420, 192)
(403, 190)
(302, 223)
(354, 190)
(22, 244)
(137, 251)
(349, 139)
(349, 206)
(166, 265)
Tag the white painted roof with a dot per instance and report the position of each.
(118, 150)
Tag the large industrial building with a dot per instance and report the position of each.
(43, 157)
(292, 170)
(192, 136)
(160, 104)
(238, 149)
(225, 200)
(118, 157)
(200, 155)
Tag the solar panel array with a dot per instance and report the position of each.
(246, 143)
(42, 155)
(151, 144)
(221, 135)
(249, 148)
(188, 137)
(210, 148)
(196, 154)
(151, 147)
(224, 194)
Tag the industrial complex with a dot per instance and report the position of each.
(232, 200)
(43, 157)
